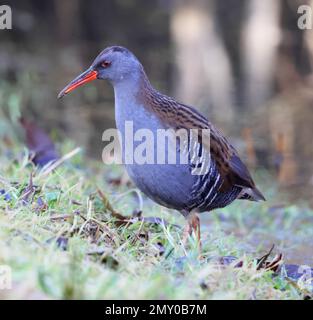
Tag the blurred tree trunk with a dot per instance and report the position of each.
(290, 113)
(309, 38)
(68, 24)
(75, 116)
(261, 37)
(204, 75)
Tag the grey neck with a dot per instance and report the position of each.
(128, 88)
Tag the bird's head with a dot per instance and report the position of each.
(114, 64)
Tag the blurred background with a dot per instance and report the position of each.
(244, 63)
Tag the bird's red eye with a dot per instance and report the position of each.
(105, 64)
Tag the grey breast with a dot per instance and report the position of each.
(168, 184)
(172, 185)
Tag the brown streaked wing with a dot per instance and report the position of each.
(230, 166)
(178, 116)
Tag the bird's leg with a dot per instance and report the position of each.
(187, 232)
(196, 228)
(193, 224)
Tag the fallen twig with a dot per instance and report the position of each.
(29, 191)
(263, 259)
(47, 170)
(121, 219)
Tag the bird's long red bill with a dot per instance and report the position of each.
(87, 76)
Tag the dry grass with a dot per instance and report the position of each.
(62, 240)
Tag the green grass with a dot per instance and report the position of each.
(64, 243)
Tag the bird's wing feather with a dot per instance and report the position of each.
(230, 166)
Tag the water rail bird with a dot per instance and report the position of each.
(172, 185)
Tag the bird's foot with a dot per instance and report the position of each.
(193, 225)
